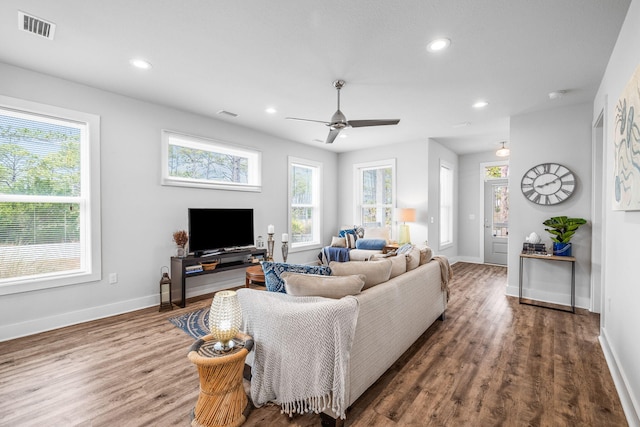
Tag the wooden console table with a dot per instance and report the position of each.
(226, 261)
(570, 259)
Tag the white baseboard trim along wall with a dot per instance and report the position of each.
(630, 404)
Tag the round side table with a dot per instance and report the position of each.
(254, 275)
(222, 398)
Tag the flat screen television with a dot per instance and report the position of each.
(212, 230)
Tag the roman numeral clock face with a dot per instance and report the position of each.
(548, 184)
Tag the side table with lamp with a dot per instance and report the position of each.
(220, 358)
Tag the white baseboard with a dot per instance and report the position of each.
(470, 260)
(224, 280)
(630, 404)
(17, 330)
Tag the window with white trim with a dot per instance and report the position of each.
(191, 161)
(49, 200)
(375, 193)
(446, 205)
(305, 177)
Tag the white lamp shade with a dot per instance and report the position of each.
(225, 316)
(406, 214)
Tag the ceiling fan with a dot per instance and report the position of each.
(339, 121)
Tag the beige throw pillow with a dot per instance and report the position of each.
(338, 242)
(413, 259)
(375, 271)
(376, 233)
(302, 285)
(398, 264)
(425, 254)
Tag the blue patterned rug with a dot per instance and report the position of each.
(195, 323)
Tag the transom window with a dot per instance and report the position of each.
(49, 201)
(199, 162)
(304, 202)
(375, 193)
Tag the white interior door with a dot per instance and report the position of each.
(496, 221)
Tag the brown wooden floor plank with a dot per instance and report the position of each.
(492, 362)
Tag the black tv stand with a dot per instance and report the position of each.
(226, 261)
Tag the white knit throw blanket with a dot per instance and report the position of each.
(302, 347)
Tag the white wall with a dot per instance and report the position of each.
(469, 204)
(621, 318)
(561, 135)
(437, 153)
(138, 214)
(411, 185)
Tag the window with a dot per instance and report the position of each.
(191, 161)
(446, 205)
(496, 171)
(305, 177)
(49, 201)
(375, 193)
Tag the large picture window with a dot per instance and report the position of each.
(199, 162)
(446, 205)
(49, 201)
(375, 193)
(305, 177)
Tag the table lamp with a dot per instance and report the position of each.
(405, 215)
(225, 319)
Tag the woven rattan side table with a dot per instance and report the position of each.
(222, 397)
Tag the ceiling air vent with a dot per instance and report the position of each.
(37, 26)
(227, 113)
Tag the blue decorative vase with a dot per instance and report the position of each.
(562, 249)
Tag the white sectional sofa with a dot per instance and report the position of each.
(391, 316)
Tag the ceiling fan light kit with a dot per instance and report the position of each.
(339, 120)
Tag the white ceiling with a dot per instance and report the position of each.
(243, 56)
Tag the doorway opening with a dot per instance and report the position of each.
(495, 212)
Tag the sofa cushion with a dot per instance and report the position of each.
(398, 264)
(322, 286)
(273, 270)
(413, 258)
(371, 244)
(375, 271)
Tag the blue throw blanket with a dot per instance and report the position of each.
(330, 253)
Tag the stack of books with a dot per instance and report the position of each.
(534, 248)
(190, 269)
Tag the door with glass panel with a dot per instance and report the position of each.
(496, 221)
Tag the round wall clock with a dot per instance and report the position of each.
(548, 184)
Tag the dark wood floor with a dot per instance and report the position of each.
(491, 363)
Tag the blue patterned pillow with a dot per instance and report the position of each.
(273, 270)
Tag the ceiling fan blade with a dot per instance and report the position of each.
(333, 134)
(308, 120)
(364, 123)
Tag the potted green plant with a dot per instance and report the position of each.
(562, 229)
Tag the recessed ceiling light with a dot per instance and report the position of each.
(557, 94)
(343, 135)
(480, 104)
(438, 45)
(271, 110)
(140, 63)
